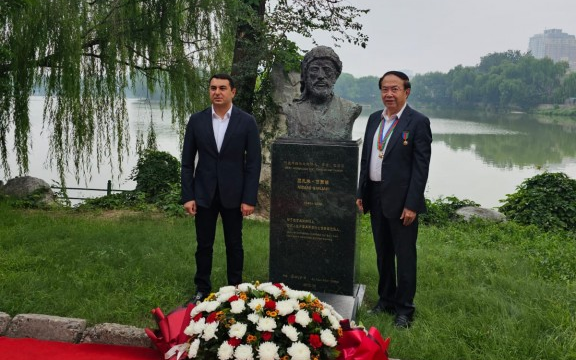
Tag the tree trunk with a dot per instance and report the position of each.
(248, 51)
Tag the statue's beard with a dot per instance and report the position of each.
(320, 93)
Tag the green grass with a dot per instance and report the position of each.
(485, 291)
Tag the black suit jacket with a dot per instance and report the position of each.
(404, 167)
(235, 170)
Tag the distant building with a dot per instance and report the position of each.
(556, 45)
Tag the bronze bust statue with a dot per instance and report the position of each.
(318, 113)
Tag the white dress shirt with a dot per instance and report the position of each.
(375, 166)
(220, 124)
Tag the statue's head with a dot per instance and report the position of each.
(320, 69)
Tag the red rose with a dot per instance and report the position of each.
(279, 286)
(234, 341)
(315, 341)
(270, 305)
(291, 319)
(197, 317)
(266, 336)
(317, 317)
(233, 298)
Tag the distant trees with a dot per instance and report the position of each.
(363, 90)
(501, 81)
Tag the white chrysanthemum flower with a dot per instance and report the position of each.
(210, 331)
(299, 351)
(328, 338)
(204, 306)
(303, 318)
(266, 324)
(245, 287)
(253, 318)
(263, 285)
(227, 289)
(237, 330)
(211, 305)
(225, 351)
(290, 332)
(299, 295)
(193, 351)
(225, 295)
(256, 304)
(188, 329)
(244, 352)
(293, 294)
(272, 290)
(195, 327)
(268, 351)
(333, 317)
(237, 306)
(286, 307)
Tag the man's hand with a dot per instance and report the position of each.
(408, 216)
(359, 204)
(190, 207)
(246, 209)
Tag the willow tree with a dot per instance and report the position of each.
(84, 54)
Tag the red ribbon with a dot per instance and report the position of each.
(171, 327)
(356, 344)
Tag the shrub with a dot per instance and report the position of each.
(155, 173)
(125, 200)
(546, 200)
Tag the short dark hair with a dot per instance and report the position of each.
(223, 76)
(399, 74)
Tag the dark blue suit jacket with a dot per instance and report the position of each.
(404, 167)
(235, 170)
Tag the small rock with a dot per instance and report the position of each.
(469, 212)
(116, 334)
(46, 327)
(4, 322)
(22, 186)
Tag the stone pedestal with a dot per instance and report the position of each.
(313, 219)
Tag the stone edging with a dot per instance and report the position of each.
(55, 328)
(71, 330)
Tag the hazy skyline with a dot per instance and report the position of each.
(422, 36)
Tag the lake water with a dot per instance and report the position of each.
(474, 156)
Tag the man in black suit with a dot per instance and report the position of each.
(223, 181)
(393, 174)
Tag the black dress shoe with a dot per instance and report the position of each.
(403, 321)
(379, 308)
(199, 297)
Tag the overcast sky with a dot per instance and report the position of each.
(436, 35)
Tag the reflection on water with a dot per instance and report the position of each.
(474, 156)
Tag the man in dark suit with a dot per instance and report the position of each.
(393, 174)
(224, 181)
